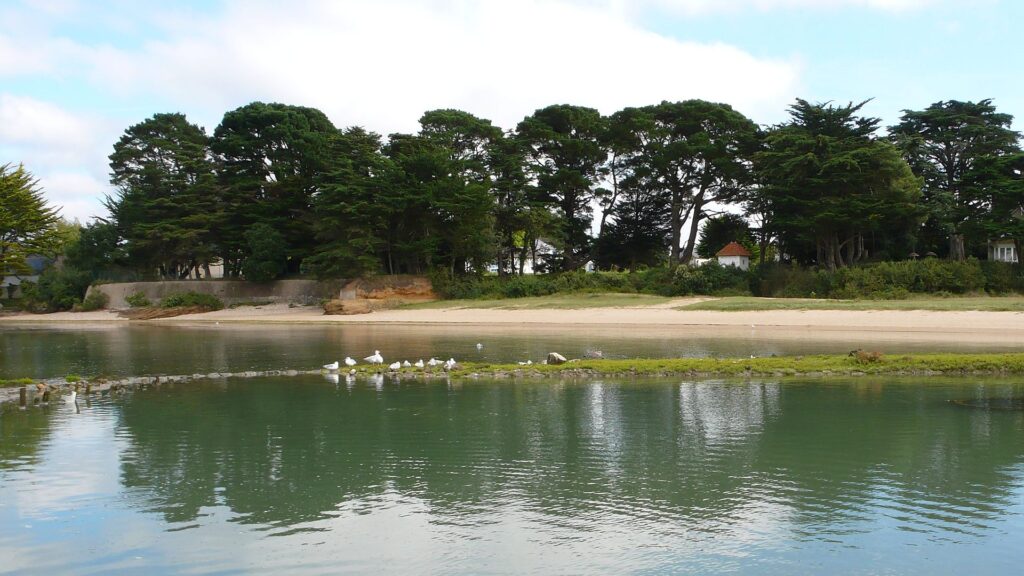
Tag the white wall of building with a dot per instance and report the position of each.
(741, 262)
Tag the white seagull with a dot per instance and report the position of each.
(433, 362)
(376, 358)
(419, 363)
(527, 363)
(479, 346)
(349, 361)
(406, 364)
(332, 366)
(395, 366)
(449, 364)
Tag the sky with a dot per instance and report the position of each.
(75, 74)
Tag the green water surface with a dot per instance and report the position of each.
(299, 475)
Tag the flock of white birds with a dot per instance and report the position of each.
(376, 359)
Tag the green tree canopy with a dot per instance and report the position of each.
(166, 205)
(943, 144)
(350, 220)
(688, 154)
(28, 225)
(835, 191)
(271, 157)
(722, 229)
(565, 158)
(267, 254)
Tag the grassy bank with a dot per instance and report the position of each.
(824, 365)
(948, 304)
(552, 302)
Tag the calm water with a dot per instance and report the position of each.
(48, 351)
(298, 475)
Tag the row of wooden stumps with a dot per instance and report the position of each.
(32, 395)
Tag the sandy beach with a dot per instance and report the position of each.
(855, 325)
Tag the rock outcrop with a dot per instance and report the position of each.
(555, 358)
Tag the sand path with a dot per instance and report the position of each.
(960, 326)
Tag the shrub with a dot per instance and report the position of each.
(883, 280)
(94, 301)
(708, 279)
(72, 378)
(267, 254)
(138, 300)
(57, 289)
(16, 382)
(180, 299)
(1002, 277)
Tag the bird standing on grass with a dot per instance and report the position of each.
(333, 366)
(376, 358)
(349, 361)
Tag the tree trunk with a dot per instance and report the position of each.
(698, 214)
(697, 208)
(956, 248)
(675, 222)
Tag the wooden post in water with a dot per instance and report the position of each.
(23, 396)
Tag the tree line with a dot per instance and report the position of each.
(278, 189)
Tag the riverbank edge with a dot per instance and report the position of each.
(856, 364)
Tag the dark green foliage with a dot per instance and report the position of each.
(166, 207)
(59, 288)
(886, 280)
(180, 299)
(350, 221)
(267, 254)
(637, 234)
(98, 252)
(279, 190)
(27, 225)
(1002, 277)
(95, 301)
(684, 156)
(682, 281)
(138, 300)
(564, 157)
(721, 230)
(271, 160)
(944, 144)
(834, 192)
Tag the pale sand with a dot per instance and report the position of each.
(856, 325)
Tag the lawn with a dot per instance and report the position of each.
(952, 303)
(553, 302)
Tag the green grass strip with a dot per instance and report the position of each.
(865, 363)
(950, 304)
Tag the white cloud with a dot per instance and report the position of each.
(29, 121)
(65, 151)
(696, 7)
(379, 64)
(382, 64)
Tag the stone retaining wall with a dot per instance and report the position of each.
(305, 292)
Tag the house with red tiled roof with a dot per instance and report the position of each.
(734, 255)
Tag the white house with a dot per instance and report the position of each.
(1003, 250)
(734, 255)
